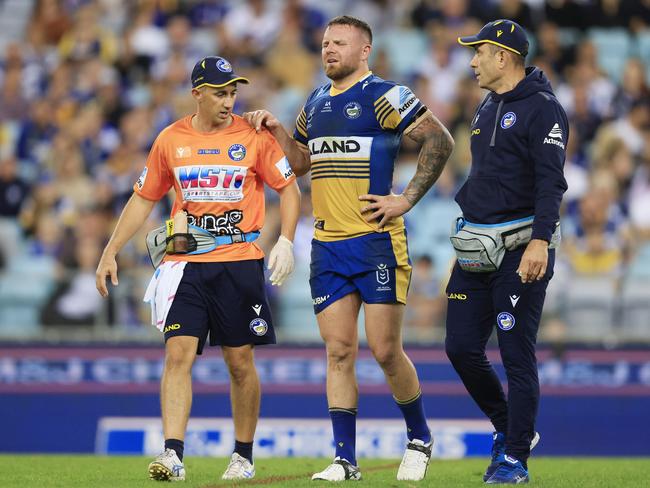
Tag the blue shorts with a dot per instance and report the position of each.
(376, 265)
(225, 300)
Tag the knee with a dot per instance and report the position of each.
(340, 354)
(386, 356)
(178, 359)
(240, 368)
(457, 350)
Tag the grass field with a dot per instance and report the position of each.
(127, 472)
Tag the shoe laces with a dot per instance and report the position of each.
(237, 465)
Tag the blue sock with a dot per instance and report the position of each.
(176, 445)
(344, 426)
(244, 449)
(416, 421)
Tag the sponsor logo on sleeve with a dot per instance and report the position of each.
(284, 168)
(555, 136)
(142, 178)
(402, 99)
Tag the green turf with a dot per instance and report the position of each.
(127, 472)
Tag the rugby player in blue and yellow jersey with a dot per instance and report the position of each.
(348, 134)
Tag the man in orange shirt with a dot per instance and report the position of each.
(217, 165)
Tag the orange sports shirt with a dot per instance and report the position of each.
(221, 176)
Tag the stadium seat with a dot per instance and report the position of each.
(635, 309)
(642, 49)
(428, 225)
(405, 49)
(614, 46)
(24, 288)
(590, 308)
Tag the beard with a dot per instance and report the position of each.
(338, 72)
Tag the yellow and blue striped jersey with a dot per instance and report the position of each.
(353, 138)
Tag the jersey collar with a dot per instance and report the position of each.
(334, 91)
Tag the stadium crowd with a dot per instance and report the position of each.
(86, 86)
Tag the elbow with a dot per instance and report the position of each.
(300, 167)
(450, 144)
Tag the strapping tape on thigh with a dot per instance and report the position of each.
(196, 241)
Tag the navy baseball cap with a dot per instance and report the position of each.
(214, 71)
(503, 33)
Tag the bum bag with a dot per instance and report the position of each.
(480, 247)
(196, 241)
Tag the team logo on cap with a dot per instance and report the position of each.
(352, 110)
(258, 326)
(508, 120)
(505, 321)
(223, 65)
(237, 152)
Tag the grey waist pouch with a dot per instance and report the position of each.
(480, 248)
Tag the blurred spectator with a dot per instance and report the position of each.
(249, 29)
(75, 300)
(87, 39)
(86, 89)
(426, 306)
(633, 88)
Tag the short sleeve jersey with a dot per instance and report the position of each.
(221, 176)
(353, 138)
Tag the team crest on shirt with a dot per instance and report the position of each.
(258, 326)
(352, 110)
(237, 152)
(505, 321)
(508, 120)
(142, 178)
(223, 65)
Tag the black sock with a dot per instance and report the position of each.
(176, 445)
(245, 450)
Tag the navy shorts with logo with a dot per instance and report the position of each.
(375, 265)
(226, 301)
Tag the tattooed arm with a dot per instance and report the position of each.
(437, 145)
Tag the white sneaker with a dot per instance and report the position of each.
(415, 461)
(339, 470)
(167, 467)
(239, 468)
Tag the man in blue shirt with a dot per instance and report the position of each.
(505, 239)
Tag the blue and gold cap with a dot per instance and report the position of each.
(503, 33)
(214, 71)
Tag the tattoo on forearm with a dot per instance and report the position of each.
(437, 145)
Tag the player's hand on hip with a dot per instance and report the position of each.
(107, 267)
(384, 208)
(533, 263)
(261, 118)
(281, 261)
